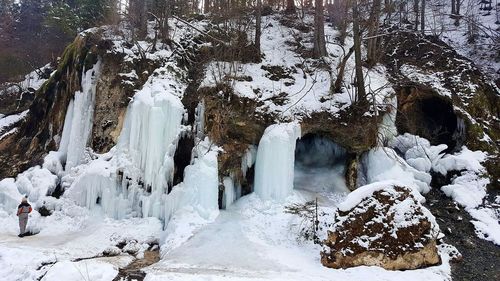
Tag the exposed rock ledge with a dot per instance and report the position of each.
(382, 226)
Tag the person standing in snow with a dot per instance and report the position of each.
(23, 211)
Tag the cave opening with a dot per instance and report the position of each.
(320, 165)
(182, 158)
(432, 117)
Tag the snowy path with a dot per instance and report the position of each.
(20, 258)
(256, 240)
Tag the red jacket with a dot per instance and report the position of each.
(24, 208)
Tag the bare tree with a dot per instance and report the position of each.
(290, 7)
(416, 10)
(360, 81)
(319, 31)
(422, 17)
(258, 26)
(138, 18)
(373, 30)
(337, 86)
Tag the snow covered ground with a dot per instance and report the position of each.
(65, 238)
(256, 240)
(482, 22)
(286, 75)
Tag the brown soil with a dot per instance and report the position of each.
(133, 271)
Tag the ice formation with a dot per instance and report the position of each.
(9, 195)
(135, 178)
(135, 181)
(248, 159)
(78, 121)
(380, 164)
(148, 138)
(274, 165)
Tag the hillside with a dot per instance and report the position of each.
(205, 157)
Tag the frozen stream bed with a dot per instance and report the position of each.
(256, 240)
(252, 240)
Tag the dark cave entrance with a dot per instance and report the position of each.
(430, 116)
(320, 165)
(182, 158)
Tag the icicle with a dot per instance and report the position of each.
(133, 179)
(229, 192)
(248, 159)
(274, 166)
(387, 128)
(459, 134)
(200, 120)
(151, 127)
(200, 189)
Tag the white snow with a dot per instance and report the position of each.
(305, 87)
(380, 164)
(255, 240)
(36, 183)
(70, 232)
(468, 188)
(7, 121)
(362, 192)
(487, 223)
(83, 270)
(10, 197)
(126, 194)
(274, 165)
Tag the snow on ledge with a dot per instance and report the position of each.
(362, 192)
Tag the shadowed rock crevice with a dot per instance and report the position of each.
(424, 113)
(182, 157)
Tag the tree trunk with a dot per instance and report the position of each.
(416, 10)
(453, 11)
(290, 7)
(258, 26)
(373, 28)
(339, 10)
(422, 17)
(360, 83)
(137, 13)
(319, 31)
(164, 32)
(206, 6)
(337, 88)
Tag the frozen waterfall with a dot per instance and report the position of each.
(133, 179)
(79, 118)
(274, 165)
(148, 138)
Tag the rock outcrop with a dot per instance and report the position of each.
(443, 96)
(41, 129)
(382, 226)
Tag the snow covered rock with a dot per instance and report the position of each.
(382, 224)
